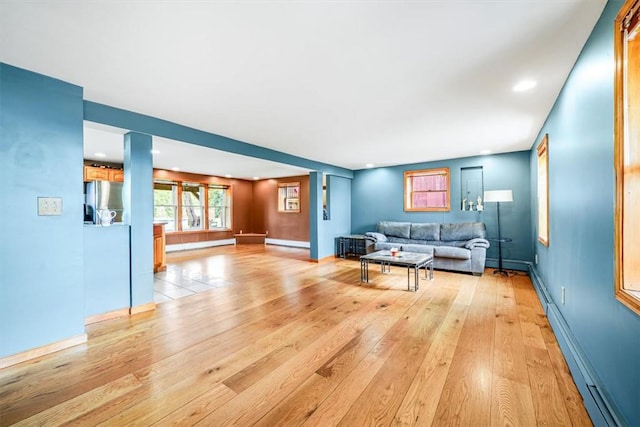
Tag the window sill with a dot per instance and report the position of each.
(629, 298)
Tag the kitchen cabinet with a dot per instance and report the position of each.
(159, 251)
(92, 173)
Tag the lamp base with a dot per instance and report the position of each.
(502, 272)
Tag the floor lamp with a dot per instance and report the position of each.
(499, 196)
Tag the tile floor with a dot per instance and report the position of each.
(178, 281)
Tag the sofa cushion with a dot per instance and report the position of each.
(421, 249)
(395, 229)
(385, 246)
(399, 240)
(451, 252)
(463, 231)
(425, 231)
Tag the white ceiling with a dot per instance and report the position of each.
(340, 82)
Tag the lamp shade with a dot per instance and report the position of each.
(498, 196)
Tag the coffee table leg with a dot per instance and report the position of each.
(364, 270)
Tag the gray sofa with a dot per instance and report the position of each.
(458, 247)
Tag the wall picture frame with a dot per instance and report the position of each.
(289, 197)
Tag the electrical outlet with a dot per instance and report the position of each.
(49, 206)
(563, 295)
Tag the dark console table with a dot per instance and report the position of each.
(352, 245)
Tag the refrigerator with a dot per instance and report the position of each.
(102, 195)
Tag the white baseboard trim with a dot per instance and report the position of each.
(199, 245)
(292, 243)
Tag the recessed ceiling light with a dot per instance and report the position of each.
(256, 178)
(99, 154)
(524, 85)
(485, 152)
(369, 165)
(155, 152)
(227, 176)
(176, 169)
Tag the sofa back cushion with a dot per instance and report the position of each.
(425, 231)
(395, 229)
(463, 231)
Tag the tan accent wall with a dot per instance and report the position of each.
(280, 225)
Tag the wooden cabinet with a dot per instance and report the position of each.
(92, 173)
(159, 253)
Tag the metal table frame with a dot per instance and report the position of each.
(353, 244)
(404, 259)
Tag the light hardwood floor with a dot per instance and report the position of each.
(280, 341)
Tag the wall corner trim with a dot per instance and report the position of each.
(106, 316)
(142, 308)
(328, 258)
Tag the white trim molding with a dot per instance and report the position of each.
(292, 243)
(199, 245)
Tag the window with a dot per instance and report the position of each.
(164, 204)
(543, 191)
(192, 198)
(219, 207)
(627, 155)
(181, 205)
(426, 190)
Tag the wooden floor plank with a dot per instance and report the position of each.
(550, 409)
(466, 395)
(273, 339)
(256, 401)
(379, 402)
(509, 359)
(421, 401)
(511, 403)
(67, 411)
(328, 376)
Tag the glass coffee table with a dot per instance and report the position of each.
(404, 259)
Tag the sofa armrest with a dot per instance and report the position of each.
(477, 243)
(376, 237)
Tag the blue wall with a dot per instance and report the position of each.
(41, 258)
(377, 194)
(324, 233)
(106, 269)
(580, 253)
(339, 202)
(138, 213)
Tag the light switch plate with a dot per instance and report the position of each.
(49, 205)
